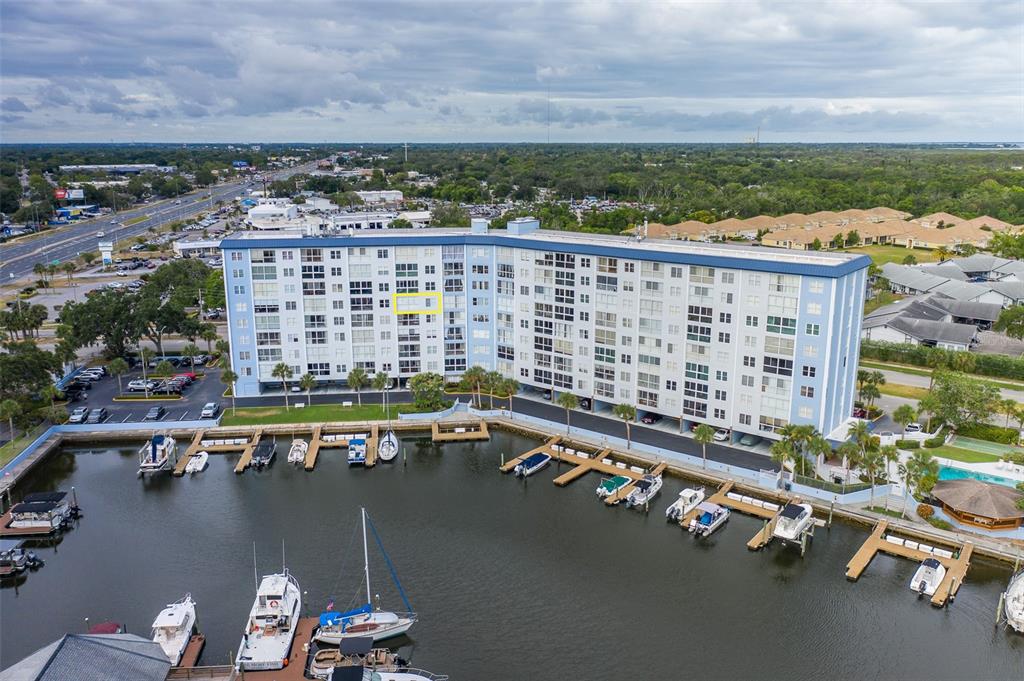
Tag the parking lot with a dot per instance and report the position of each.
(204, 389)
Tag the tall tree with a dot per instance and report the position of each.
(10, 410)
(1011, 322)
(357, 380)
(704, 434)
(567, 401)
(118, 367)
(283, 372)
(626, 412)
(307, 382)
(904, 414)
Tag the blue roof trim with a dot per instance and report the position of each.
(840, 269)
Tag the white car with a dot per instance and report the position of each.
(912, 428)
(210, 410)
(79, 415)
(721, 435)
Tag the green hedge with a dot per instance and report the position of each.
(999, 366)
(990, 432)
(907, 444)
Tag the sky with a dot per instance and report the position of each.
(431, 71)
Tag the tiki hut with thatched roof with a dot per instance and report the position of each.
(981, 504)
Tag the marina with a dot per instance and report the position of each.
(436, 513)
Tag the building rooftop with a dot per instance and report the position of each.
(979, 498)
(88, 657)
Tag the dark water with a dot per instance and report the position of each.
(511, 581)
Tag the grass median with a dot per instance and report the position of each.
(907, 391)
(317, 413)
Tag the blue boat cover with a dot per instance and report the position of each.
(330, 617)
(535, 459)
(706, 519)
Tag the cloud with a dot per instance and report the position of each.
(447, 70)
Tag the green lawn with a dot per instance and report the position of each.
(918, 371)
(12, 449)
(881, 509)
(908, 391)
(964, 455)
(318, 413)
(883, 254)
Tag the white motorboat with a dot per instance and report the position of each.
(687, 501)
(610, 486)
(794, 519)
(173, 627)
(356, 452)
(365, 621)
(709, 518)
(269, 632)
(402, 674)
(387, 447)
(197, 464)
(1013, 603)
(156, 455)
(297, 453)
(928, 577)
(531, 465)
(353, 652)
(644, 490)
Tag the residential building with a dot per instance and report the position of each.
(93, 657)
(934, 320)
(740, 337)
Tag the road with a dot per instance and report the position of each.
(65, 243)
(916, 381)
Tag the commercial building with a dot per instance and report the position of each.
(119, 168)
(380, 196)
(743, 338)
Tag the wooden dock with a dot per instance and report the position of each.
(190, 451)
(956, 568)
(314, 449)
(765, 534)
(20, 531)
(295, 671)
(584, 463)
(547, 448)
(371, 446)
(459, 431)
(194, 648)
(623, 492)
(246, 458)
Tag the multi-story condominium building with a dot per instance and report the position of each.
(736, 336)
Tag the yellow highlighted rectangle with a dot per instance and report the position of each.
(424, 302)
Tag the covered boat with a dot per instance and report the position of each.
(156, 455)
(44, 512)
(610, 486)
(263, 455)
(644, 490)
(928, 577)
(793, 521)
(687, 501)
(531, 464)
(709, 518)
(173, 627)
(1013, 603)
(356, 452)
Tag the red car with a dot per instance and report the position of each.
(187, 374)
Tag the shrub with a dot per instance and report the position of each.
(937, 441)
(907, 444)
(925, 511)
(990, 432)
(999, 366)
(939, 523)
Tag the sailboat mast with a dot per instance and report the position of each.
(366, 560)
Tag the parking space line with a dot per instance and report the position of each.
(183, 415)
(129, 415)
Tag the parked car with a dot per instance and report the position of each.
(547, 395)
(138, 385)
(167, 388)
(210, 410)
(78, 415)
(97, 416)
(859, 413)
(650, 418)
(155, 413)
(585, 403)
(213, 314)
(188, 375)
(750, 440)
(912, 428)
(721, 435)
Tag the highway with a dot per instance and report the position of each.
(65, 243)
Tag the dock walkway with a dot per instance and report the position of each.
(192, 651)
(459, 431)
(295, 671)
(371, 446)
(194, 448)
(314, 449)
(246, 457)
(547, 448)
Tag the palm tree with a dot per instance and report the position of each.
(118, 367)
(509, 387)
(283, 372)
(869, 393)
(493, 380)
(904, 414)
(568, 401)
(223, 347)
(851, 456)
(704, 434)
(307, 382)
(918, 467)
(208, 334)
(190, 351)
(863, 376)
(145, 354)
(626, 412)
(818, 445)
(943, 252)
(164, 368)
(381, 382)
(357, 380)
(890, 455)
(474, 377)
(10, 409)
(51, 392)
(1008, 407)
(39, 269)
(871, 463)
(69, 269)
(228, 378)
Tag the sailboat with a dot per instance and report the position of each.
(387, 446)
(1013, 604)
(365, 621)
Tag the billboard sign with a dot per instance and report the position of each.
(60, 194)
(76, 194)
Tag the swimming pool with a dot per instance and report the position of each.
(949, 473)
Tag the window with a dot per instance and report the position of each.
(696, 313)
(751, 321)
(810, 351)
(721, 375)
(603, 354)
(784, 325)
(720, 414)
(808, 371)
(720, 395)
(749, 361)
(290, 305)
(813, 330)
(806, 391)
(311, 255)
(747, 381)
(695, 408)
(816, 286)
(779, 346)
(724, 337)
(728, 278)
(777, 365)
(697, 371)
(744, 419)
(725, 317)
(814, 308)
(702, 275)
(671, 385)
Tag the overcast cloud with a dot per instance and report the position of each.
(149, 70)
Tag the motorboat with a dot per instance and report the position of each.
(365, 621)
(269, 632)
(156, 455)
(531, 464)
(928, 577)
(610, 486)
(42, 512)
(14, 559)
(709, 518)
(793, 521)
(644, 490)
(356, 452)
(297, 452)
(387, 447)
(1013, 603)
(106, 628)
(353, 652)
(687, 501)
(173, 627)
(263, 455)
(197, 464)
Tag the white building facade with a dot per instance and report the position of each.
(739, 337)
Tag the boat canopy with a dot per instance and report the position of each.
(643, 484)
(34, 507)
(358, 645)
(355, 673)
(331, 617)
(45, 496)
(792, 511)
(708, 507)
(357, 441)
(535, 459)
(171, 616)
(931, 562)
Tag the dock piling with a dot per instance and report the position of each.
(999, 608)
